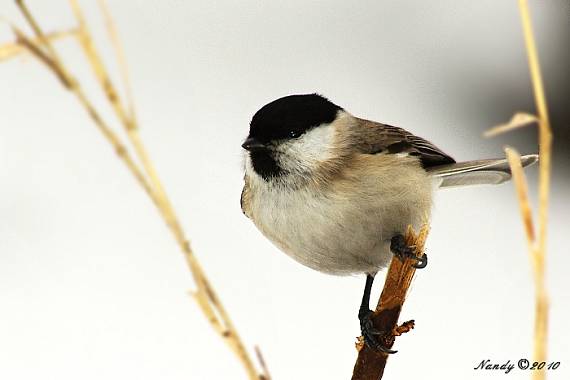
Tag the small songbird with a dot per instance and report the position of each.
(337, 192)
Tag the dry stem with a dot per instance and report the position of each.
(538, 254)
(264, 370)
(147, 177)
(536, 241)
(12, 50)
(120, 55)
(519, 119)
(370, 364)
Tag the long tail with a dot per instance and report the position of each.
(480, 172)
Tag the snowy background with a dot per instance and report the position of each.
(92, 285)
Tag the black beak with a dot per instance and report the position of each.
(252, 144)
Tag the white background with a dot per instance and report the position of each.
(92, 286)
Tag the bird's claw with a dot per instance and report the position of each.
(421, 261)
(371, 334)
(403, 251)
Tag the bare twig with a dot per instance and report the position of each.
(370, 363)
(205, 295)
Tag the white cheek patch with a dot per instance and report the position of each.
(306, 152)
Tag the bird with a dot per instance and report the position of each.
(336, 192)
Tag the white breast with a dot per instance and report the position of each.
(344, 228)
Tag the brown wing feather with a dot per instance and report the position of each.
(378, 137)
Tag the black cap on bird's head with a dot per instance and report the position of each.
(282, 120)
(289, 117)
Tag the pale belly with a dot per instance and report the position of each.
(341, 231)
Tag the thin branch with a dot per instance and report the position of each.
(35, 49)
(545, 132)
(97, 65)
(545, 148)
(265, 371)
(519, 120)
(71, 84)
(520, 182)
(11, 50)
(521, 187)
(44, 41)
(205, 294)
(120, 55)
(370, 363)
(536, 242)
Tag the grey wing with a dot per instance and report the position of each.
(378, 137)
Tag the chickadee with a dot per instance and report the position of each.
(337, 192)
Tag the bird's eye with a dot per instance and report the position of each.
(294, 134)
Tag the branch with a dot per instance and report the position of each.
(370, 364)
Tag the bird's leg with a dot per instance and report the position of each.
(369, 332)
(402, 251)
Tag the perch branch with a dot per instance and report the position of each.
(147, 177)
(370, 364)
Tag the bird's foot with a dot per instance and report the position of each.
(374, 338)
(403, 251)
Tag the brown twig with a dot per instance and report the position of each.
(205, 295)
(370, 364)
